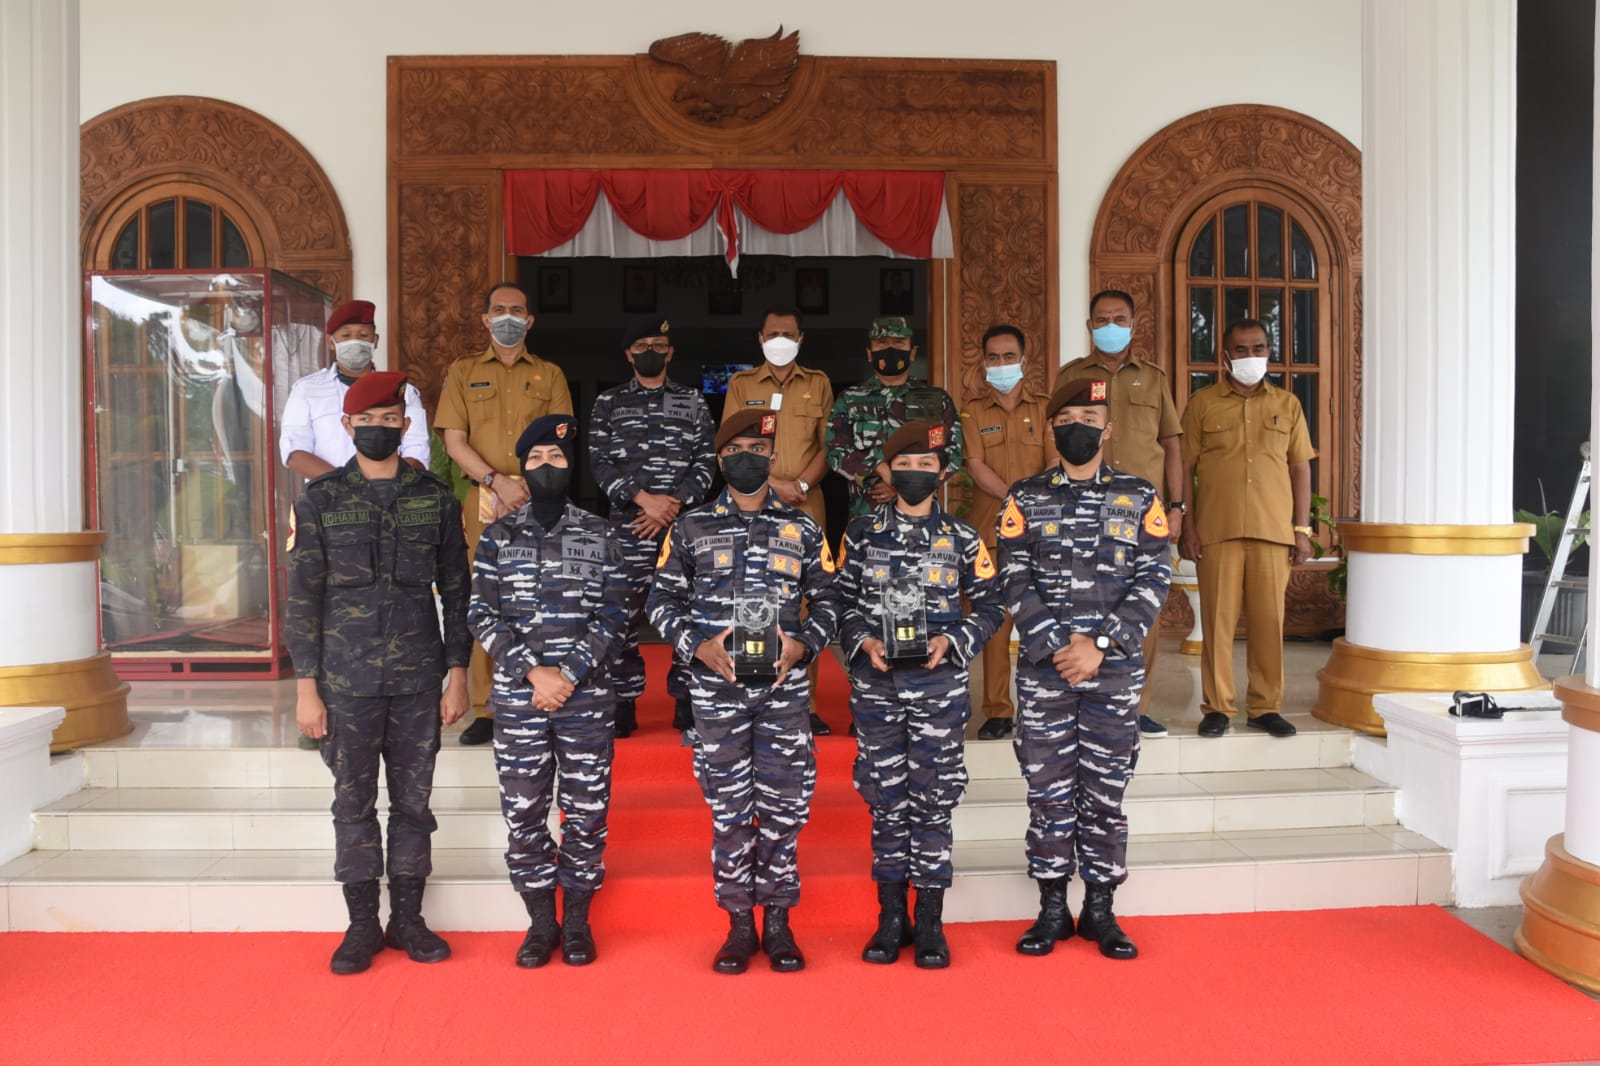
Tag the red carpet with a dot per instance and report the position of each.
(1396, 985)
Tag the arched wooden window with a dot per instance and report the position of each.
(177, 226)
(1251, 252)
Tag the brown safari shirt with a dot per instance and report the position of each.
(1142, 414)
(493, 403)
(1014, 444)
(1241, 448)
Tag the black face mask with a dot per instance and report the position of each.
(547, 492)
(891, 362)
(1077, 442)
(746, 472)
(914, 486)
(650, 362)
(377, 442)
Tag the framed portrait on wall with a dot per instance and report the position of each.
(895, 296)
(724, 295)
(811, 290)
(638, 289)
(555, 287)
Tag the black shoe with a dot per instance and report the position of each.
(894, 925)
(1054, 922)
(853, 730)
(1214, 724)
(778, 941)
(682, 715)
(407, 930)
(933, 950)
(996, 729)
(543, 932)
(481, 731)
(364, 938)
(626, 719)
(1099, 924)
(742, 943)
(577, 942)
(1274, 723)
(819, 728)
(1149, 727)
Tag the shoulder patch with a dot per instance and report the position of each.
(1012, 523)
(984, 567)
(1155, 519)
(666, 549)
(828, 563)
(288, 544)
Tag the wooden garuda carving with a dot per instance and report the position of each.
(729, 83)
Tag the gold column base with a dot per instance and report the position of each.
(1353, 674)
(1560, 929)
(1191, 647)
(96, 699)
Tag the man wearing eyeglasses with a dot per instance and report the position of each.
(650, 450)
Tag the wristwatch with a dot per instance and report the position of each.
(1179, 506)
(1102, 642)
(1303, 529)
(805, 486)
(566, 672)
(488, 480)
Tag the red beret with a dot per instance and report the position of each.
(379, 388)
(750, 422)
(915, 437)
(361, 311)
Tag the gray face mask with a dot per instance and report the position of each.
(508, 330)
(353, 355)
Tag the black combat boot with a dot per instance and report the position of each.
(682, 714)
(1099, 924)
(778, 941)
(627, 719)
(933, 950)
(407, 930)
(894, 924)
(1055, 920)
(364, 938)
(577, 942)
(543, 932)
(742, 942)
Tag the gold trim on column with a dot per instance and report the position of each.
(20, 549)
(1191, 647)
(1353, 674)
(1390, 538)
(1580, 704)
(1560, 929)
(96, 699)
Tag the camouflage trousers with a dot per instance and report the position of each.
(756, 768)
(627, 671)
(404, 732)
(1077, 747)
(911, 725)
(565, 757)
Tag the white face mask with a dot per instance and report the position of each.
(1250, 370)
(354, 355)
(780, 351)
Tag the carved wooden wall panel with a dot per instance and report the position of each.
(231, 149)
(456, 121)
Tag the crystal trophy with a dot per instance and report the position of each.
(756, 641)
(905, 622)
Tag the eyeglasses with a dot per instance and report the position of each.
(640, 347)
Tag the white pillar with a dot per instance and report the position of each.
(49, 643)
(1435, 587)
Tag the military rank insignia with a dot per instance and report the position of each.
(288, 545)
(1155, 519)
(666, 550)
(1011, 522)
(984, 567)
(828, 564)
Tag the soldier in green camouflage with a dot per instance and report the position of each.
(866, 415)
(372, 539)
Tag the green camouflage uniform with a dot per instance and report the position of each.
(866, 415)
(361, 620)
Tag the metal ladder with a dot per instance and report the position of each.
(1559, 580)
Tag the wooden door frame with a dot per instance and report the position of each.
(457, 122)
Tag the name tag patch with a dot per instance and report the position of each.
(331, 519)
(419, 518)
(517, 555)
(682, 408)
(582, 555)
(990, 429)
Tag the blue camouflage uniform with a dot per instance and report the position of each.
(361, 620)
(650, 440)
(1081, 557)
(753, 755)
(551, 597)
(911, 721)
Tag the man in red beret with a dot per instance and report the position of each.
(372, 540)
(313, 440)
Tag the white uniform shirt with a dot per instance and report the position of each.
(312, 421)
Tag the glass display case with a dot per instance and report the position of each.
(188, 372)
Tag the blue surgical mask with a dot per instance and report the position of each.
(1004, 378)
(1111, 338)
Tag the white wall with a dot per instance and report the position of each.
(1124, 70)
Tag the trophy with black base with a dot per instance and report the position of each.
(756, 639)
(905, 622)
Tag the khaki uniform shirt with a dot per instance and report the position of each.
(1014, 444)
(1142, 414)
(1242, 447)
(493, 403)
(803, 414)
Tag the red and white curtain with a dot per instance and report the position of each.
(651, 213)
